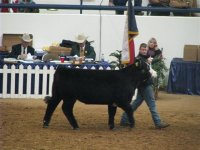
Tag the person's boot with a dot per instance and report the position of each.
(162, 125)
(125, 123)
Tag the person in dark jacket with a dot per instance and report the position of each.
(137, 3)
(153, 49)
(83, 48)
(28, 10)
(145, 93)
(20, 51)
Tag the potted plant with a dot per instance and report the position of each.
(158, 64)
(117, 63)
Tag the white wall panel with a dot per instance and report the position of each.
(171, 32)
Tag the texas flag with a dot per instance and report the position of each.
(130, 32)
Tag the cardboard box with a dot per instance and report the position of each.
(2, 48)
(198, 53)
(190, 53)
(57, 50)
(8, 40)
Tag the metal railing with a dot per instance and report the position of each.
(99, 7)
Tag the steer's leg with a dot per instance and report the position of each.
(129, 111)
(51, 106)
(111, 114)
(67, 108)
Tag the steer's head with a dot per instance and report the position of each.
(143, 69)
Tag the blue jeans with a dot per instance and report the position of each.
(144, 94)
(123, 2)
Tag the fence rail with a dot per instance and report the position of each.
(99, 7)
(28, 82)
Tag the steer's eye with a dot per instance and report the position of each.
(143, 71)
(137, 64)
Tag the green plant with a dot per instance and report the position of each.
(158, 64)
(117, 63)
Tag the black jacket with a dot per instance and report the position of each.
(16, 51)
(149, 80)
(88, 53)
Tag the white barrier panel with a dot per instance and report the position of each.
(21, 87)
(29, 82)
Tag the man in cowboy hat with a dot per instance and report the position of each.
(21, 50)
(83, 48)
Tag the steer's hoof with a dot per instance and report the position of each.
(45, 125)
(132, 126)
(111, 127)
(76, 128)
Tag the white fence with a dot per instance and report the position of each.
(25, 82)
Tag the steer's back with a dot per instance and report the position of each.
(94, 86)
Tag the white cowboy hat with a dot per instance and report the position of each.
(81, 38)
(26, 37)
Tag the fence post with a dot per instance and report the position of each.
(51, 77)
(29, 82)
(21, 79)
(36, 89)
(5, 81)
(44, 81)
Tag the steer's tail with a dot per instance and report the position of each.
(52, 102)
(47, 99)
(54, 93)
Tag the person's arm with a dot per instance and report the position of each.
(74, 51)
(31, 50)
(13, 53)
(90, 53)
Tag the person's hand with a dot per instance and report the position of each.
(82, 58)
(153, 73)
(22, 56)
(149, 60)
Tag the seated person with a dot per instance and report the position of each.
(9, 9)
(158, 3)
(21, 50)
(182, 4)
(28, 10)
(137, 3)
(83, 48)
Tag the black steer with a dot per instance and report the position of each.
(106, 87)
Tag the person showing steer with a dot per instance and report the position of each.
(114, 88)
(145, 93)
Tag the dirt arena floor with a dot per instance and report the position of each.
(21, 127)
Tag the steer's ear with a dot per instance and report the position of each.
(137, 62)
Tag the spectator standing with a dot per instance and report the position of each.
(145, 93)
(157, 64)
(137, 3)
(153, 49)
